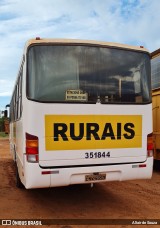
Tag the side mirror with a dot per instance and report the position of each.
(5, 113)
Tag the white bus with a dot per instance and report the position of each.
(81, 112)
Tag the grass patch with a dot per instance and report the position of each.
(3, 135)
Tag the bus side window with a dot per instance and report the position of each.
(19, 102)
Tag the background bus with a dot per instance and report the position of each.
(80, 113)
(155, 72)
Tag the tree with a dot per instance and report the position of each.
(2, 124)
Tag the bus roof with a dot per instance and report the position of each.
(39, 40)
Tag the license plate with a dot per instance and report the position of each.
(95, 177)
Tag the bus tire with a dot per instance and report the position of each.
(18, 180)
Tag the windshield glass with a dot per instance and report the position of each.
(87, 74)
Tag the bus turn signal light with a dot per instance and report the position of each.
(32, 150)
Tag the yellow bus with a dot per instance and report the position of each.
(81, 112)
(155, 72)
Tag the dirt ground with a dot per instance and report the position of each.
(135, 200)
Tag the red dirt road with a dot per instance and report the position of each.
(112, 200)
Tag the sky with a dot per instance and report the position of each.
(133, 22)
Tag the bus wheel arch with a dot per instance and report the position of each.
(14, 153)
(18, 180)
(19, 183)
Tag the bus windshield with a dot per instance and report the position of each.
(87, 74)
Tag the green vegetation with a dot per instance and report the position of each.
(3, 135)
(2, 124)
(3, 128)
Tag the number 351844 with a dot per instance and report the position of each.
(97, 155)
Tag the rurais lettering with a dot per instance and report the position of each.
(92, 130)
(87, 132)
